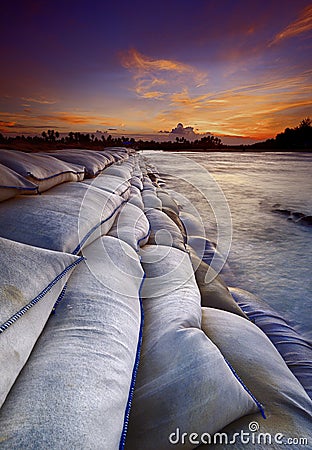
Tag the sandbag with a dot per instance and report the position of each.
(258, 363)
(148, 185)
(92, 161)
(207, 251)
(135, 190)
(136, 199)
(193, 226)
(74, 390)
(163, 230)
(131, 226)
(12, 184)
(42, 170)
(118, 150)
(64, 218)
(135, 181)
(31, 281)
(183, 381)
(176, 219)
(118, 171)
(111, 183)
(107, 155)
(294, 348)
(213, 291)
(119, 153)
(167, 201)
(151, 200)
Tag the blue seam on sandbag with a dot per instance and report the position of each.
(79, 246)
(56, 175)
(33, 302)
(21, 188)
(59, 299)
(260, 406)
(134, 373)
(144, 237)
(125, 190)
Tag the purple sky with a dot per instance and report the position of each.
(233, 68)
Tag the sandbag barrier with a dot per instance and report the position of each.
(127, 227)
(63, 221)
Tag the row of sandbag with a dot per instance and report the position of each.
(75, 386)
(32, 173)
(71, 215)
(86, 356)
(183, 379)
(205, 369)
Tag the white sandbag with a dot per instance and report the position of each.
(118, 171)
(135, 181)
(183, 381)
(176, 219)
(119, 153)
(213, 291)
(40, 169)
(135, 190)
(294, 348)
(62, 219)
(131, 226)
(108, 155)
(119, 150)
(92, 161)
(207, 251)
(137, 172)
(148, 185)
(193, 225)
(151, 200)
(75, 390)
(31, 281)
(111, 183)
(12, 184)
(167, 201)
(163, 230)
(258, 363)
(136, 199)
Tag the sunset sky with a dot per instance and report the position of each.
(239, 69)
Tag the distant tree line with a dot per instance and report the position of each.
(298, 138)
(181, 143)
(52, 139)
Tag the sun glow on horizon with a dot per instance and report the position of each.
(250, 80)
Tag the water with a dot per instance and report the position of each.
(269, 255)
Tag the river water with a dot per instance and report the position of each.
(235, 195)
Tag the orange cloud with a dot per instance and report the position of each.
(299, 26)
(257, 110)
(80, 119)
(40, 100)
(7, 124)
(170, 74)
(135, 60)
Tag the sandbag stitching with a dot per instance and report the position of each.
(134, 372)
(79, 246)
(260, 406)
(23, 310)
